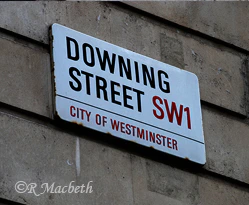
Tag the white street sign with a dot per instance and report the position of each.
(130, 96)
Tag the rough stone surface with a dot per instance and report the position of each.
(33, 19)
(223, 20)
(214, 191)
(35, 153)
(25, 77)
(172, 51)
(167, 185)
(220, 71)
(227, 142)
(169, 182)
(142, 194)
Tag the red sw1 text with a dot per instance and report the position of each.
(162, 112)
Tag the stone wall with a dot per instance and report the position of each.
(208, 39)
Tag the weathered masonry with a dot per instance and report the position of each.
(45, 160)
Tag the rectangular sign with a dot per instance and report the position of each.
(130, 96)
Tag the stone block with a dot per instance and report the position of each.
(221, 73)
(215, 191)
(25, 77)
(226, 21)
(35, 153)
(157, 183)
(227, 142)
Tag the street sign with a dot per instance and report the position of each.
(130, 96)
